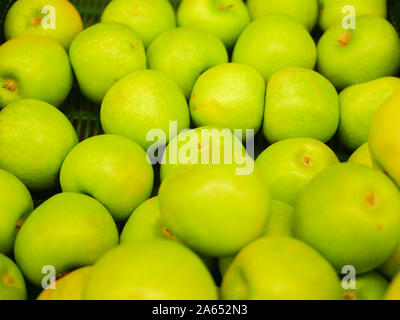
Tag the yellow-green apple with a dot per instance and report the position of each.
(289, 165)
(184, 54)
(273, 43)
(148, 18)
(15, 205)
(150, 270)
(12, 283)
(393, 292)
(55, 19)
(384, 137)
(280, 268)
(369, 286)
(231, 96)
(108, 50)
(304, 11)
(67, 231)
(300, 103)
(350, 213)
(358, 105)
(351, 56)
(142, 101)
(224, 18)
(34, 67)
(112, 169)
(35, 138)
(212, 209)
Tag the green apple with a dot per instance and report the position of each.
(148, 18)
(362, 156)
(351, 214)
(109, 50)
(231, 96)
(392, 266)
(67, 231)
(15, 205)
(112, 169)
(35, 138)
(129, 110)
(150, 270)
(289, 165)
(223, 18)
(205, 145)
(280, 268)
(69, 287)
(34, 67)
(12, 283)
(352, 56)
(300, 103)
(273, 43)
(332, 13)
(393, 292)
(384, 137)
(55, 19)
(304, 11)
(369, 286)
(358, 105)
(212, 209)
(184, 54)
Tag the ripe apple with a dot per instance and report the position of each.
(304, 11)
(212, 209)
(369, 286)
(15, 205)
(352, 56)
(148, 18)
(231, 96)
(393, 293)
(362, 156)
(280, 268)
(384, 137)
(67, 231)
(289, 165)
(109, 50)
(332, 11)
(112, 169)
(225, 19)
(300, 103)
(358, 105)
(55, 19)
(208, 144)
(129, 110)
(273, 43)
(184, 54)
(68, 287)
(34, 67)
(150, 270)
(350, 213)
(12, 283)
(35, 138)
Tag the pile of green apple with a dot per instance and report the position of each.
(285, 230)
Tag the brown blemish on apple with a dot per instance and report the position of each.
(132, 46)
(307, 161)
(10, 85)
(19, 224)
(168, 233)
(36, 20)
(8, 280)
(221, 7)
(371, 200)
(379, 227)
(350, 296)
(344, 39)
